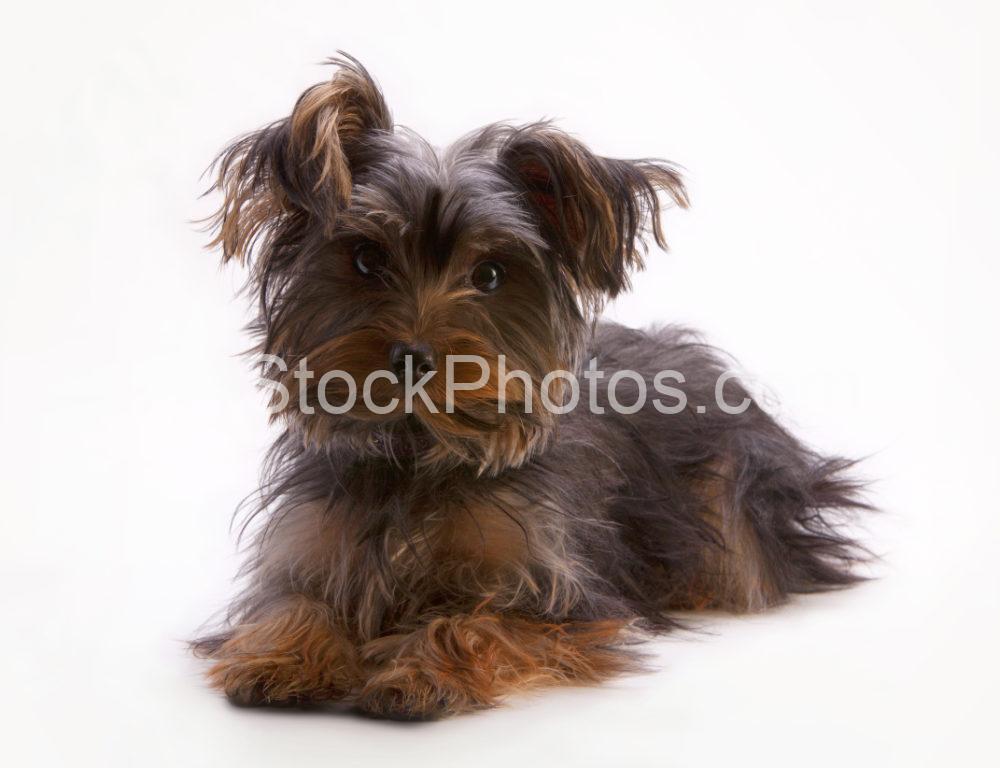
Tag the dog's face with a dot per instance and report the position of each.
(371, 251)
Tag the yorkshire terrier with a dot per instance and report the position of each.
(433, 557)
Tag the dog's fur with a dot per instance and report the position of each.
(428, 564)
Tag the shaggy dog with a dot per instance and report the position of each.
(433, 556)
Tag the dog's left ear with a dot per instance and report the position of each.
(594, 211)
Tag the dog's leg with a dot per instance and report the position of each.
(734, 575)
(776, 530)
(290, 652)
(460, 663)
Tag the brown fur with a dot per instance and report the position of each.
(459, 663)
(733, 576)
(291, 655)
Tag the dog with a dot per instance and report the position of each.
(425, 561)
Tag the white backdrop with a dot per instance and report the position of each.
(843, 165)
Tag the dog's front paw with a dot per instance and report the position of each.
(291, 655)
(279, 680)
(405, 693)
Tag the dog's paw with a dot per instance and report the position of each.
(279, 680)
(291, 655)
(408, 694)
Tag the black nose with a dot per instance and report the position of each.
(422, 358)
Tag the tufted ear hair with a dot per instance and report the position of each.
(594, 211)
(299, 169)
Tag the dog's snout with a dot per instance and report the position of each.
(421, 354)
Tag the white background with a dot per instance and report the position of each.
(843, 244)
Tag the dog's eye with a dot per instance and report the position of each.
(369, 259)
(487, 276)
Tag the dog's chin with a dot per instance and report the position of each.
(412, 444)
(406, 441)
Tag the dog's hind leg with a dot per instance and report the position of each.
(777, 520)
(733, 573)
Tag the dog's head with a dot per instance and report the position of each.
(370, 251)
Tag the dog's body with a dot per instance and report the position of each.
(430, 563)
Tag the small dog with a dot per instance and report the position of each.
(432, 560)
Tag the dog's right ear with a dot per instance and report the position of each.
(298, 170)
